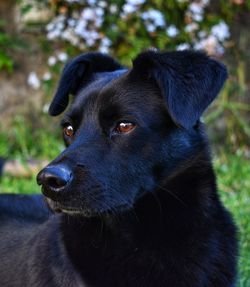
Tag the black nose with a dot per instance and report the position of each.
(54, 179)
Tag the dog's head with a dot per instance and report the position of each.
(127, 129)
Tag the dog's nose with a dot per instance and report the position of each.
(54, 179)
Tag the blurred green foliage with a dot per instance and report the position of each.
(30, 139)
(6, 43)
(232, 110)
(133, 26)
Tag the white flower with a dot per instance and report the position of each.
(198, 17)
(63, 57)
(71, 22)
(52, 61)
(131, 6)
(88, 14)
(47, 76)
(106, 41)
(59, 26)
(150, 28)
(153, 19)
(50, 26)
(46, 108)
(182, 47)
(93, 36)
(33, 81)
(53, 34)
(99, 11)
(91, 2)
(196, 8)
(129, 9)
(76, 1)
(50, 36)
(104, 45)
(172, 31)
(104, 49)
(113, 8)
(136, 2)
(155, 16)
(70, 36)
(80, 27)
(210, 45)
(221, 31)
(87, 25)
(191, 27)
(102, 4)
(202, 34)
(89, 42)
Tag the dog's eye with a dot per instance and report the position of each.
(124, 127)
(68, 131)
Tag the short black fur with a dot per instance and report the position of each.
(136, 208)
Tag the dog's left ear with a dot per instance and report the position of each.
(189, 81)
(76, 74)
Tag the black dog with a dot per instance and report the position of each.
(135, 185)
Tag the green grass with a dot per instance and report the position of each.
(21, 185)
(34, 138)
(233, 172)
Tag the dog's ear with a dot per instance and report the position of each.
(76, 73)
(189, 81)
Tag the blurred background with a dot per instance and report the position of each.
(38, 37)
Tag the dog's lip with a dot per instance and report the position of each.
(53, 204)
(58, 207)
(61, 208)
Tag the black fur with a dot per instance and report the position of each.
(137, 209)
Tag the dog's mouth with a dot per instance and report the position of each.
(62, 208)
(59, 207)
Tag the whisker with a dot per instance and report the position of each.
(172, 194)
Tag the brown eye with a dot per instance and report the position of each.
(68, 131)
(124, 127)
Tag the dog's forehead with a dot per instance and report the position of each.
(96, 83)
(119, 91)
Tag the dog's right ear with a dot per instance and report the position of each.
(188, 81)
(76, 73)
